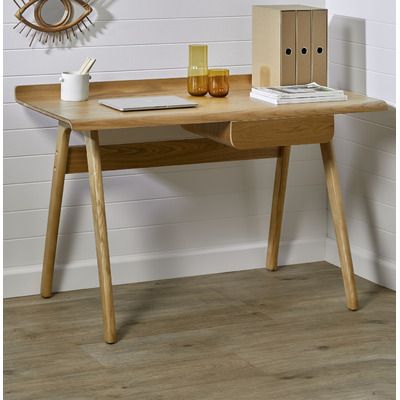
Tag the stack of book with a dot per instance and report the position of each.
(310, 93)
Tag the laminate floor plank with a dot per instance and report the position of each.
(242, 335)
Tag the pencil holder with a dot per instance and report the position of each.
(74, 86)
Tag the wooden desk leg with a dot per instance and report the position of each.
(339, 221)
(53, 220)
(278, 202)
(100, 230)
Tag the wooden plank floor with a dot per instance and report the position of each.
(239, 336)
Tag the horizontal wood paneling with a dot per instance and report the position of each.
(367, 264)
(165, 182)
(366, 133)
(42, 141)
(374, 84)
(147, 32)
(30, 142)
(18, 117)
(25, 142)
(122, 58)
(372, 212)
(358, 62)
(362, 55)
(158, 209)
(162, 265)
(38, 169)
(386, 119)
(365, 158)
(367, 185)
(358, 30)
(24, 224)
(366, 236)
(202, 234)
(358, 55)
(173, 9)
(369, 10)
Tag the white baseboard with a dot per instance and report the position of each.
(366, 264)
(24, 281)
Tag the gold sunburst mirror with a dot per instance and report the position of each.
(52, 21)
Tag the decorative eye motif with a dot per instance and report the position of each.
(53, 19)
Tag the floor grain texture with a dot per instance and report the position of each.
(240, 336)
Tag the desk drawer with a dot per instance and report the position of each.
(245, 135)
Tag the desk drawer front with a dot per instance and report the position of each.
(245, 135)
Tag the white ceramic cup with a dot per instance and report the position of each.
(74, 86)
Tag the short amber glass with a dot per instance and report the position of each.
(218, 82)
(197, 84)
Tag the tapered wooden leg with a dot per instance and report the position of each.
(53, 220)
(278, 202)
(100, 230)
(339, 221)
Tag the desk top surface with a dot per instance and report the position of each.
(237, 106)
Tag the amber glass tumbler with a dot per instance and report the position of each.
(218, 82)
(198, 69)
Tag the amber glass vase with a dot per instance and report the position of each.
(198, 70)
(218, 82)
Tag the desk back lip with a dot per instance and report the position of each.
(238, 106)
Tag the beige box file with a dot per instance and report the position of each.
(289, 45)
(319, 47)
(303, 47)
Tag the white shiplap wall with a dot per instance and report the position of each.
(363, 58)
(163, 222)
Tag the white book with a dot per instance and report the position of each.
(310, 90)
(297, 100)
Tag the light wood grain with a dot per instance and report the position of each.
(156, 154)
(237, 106)
(339, 221)
(286, 125)
(208, 337)
(53, 221)
(245, 135)
(101, 236)
(278, 204)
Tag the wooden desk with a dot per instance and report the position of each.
(231, 128)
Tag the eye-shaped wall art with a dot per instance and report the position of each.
(52, 21)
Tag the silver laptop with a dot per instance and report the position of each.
(147, 103)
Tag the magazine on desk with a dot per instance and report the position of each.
(309, 93)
